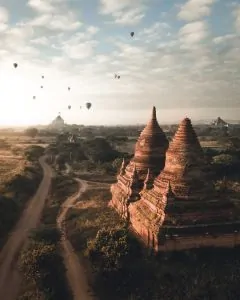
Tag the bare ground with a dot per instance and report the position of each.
(10, 279)
(75, 271)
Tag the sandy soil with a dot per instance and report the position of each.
(75, 272)
(9, 277)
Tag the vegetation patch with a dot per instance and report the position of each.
(90, 215)
(43, 268)
(18, 187)
(41, 263)
(62, 187)
(124, 271)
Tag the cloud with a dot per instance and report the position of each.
(195, 9)
(14, 40)
(157, 31)
(125, 12)
(236, 13)
(224, 38)
(193, 33)
(43, 41)
(45, 6)
(93, 30)
(4, 16)
(80, 51)
(63, 22)
(180, 70)
(80, 45)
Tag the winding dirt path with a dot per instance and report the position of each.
(9, 277)
(75, 272)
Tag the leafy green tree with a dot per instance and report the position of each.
(31, 131)
(113, 249)
(42, 265)
(34, 152)
(99, 149)
(226, 164)
(46, 234)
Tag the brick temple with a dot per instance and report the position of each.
(166, 195)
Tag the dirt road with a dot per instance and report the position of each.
(9, 276)
(75, 272)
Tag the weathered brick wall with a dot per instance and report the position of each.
(190, 242)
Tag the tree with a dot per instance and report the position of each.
(33, 152)
(46, 234)
(113, 249)
(99, 149)
(32, 132)
(226, 164)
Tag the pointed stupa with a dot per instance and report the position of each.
(134, 175)
(122, 169)
(169, 192)
(150, 148)
(185, 165)
(148, 182)
(185, 140)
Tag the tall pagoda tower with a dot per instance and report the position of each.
(182, 195)
(149, 159)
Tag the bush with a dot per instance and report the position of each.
(15, 194)
(226, 164)
(46, 234)
(99, 150)
(33, 153)
(42, 265)
(32, 132)
(112, 250)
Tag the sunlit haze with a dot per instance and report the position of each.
(183, 59)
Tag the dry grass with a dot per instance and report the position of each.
(12, 161)
(10, 166)
(212, 144)
(89, 215)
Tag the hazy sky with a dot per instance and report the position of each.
(184, 59)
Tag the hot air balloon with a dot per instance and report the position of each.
(69, 106)
(88, 105)
(15, 65)
(132, 34)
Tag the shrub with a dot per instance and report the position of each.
(112, 249)
(33, 153)
(42, 266)
(47, 234)
(32, 132)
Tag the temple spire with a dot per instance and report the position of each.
(122, 169)
(134, 173)
(169, 192)
(148, 181)
(154, 115)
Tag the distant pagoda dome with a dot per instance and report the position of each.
(219, 122)
(59, 118)
(58, 122)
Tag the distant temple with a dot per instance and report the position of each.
(219, 123)
(166, 195)
(57, 123)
